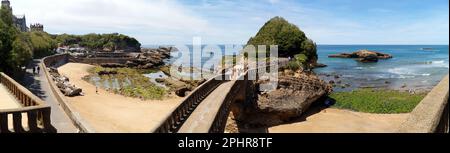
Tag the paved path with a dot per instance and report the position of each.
(203, 116)
(39, 85)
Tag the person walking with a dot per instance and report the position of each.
(34, 70)
(38, 69)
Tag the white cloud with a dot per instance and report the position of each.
(227, 22)
(129, 16)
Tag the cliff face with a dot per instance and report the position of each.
(289, 38)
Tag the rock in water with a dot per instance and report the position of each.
(364, 56)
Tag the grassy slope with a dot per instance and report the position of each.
(377, 101)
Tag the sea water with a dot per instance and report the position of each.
(412, 66)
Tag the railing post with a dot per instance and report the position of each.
(17, 123)
(32, 121)
(47, 121)
(4, 123)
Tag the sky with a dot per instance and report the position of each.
(169, 22)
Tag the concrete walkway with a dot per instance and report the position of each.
(39, 86)
(203, 116)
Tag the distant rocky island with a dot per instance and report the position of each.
(364, 56)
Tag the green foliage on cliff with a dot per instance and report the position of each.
(22, 51)
(110, 42)
(377, 101)
(43, 44)
(289, 38)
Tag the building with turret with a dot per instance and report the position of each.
(18, 20)
(37, 27)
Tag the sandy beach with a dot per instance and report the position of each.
(342, 121)
(111, 113)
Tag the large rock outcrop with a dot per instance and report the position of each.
(364, 56)
(292, 98)
(150, 58)
(290, 39)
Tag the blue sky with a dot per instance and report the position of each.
(235, 21)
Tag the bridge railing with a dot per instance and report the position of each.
(432, 113)
(172, 122)
(220, 120)
(37, 112)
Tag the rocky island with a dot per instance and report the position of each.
(364, 56)
(298, 88)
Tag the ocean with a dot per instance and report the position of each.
(412, 66)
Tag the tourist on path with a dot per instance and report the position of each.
(38, 69)
(34, 70)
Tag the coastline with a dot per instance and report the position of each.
(112, 113)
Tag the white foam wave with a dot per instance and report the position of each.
(405, 72)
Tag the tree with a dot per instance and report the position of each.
(289, 38)
(42, 43)
(6, 15)
(7, 34)
(22, 51)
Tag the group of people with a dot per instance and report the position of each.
(36, 69)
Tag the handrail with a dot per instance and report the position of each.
(36, 110)
(27, 99)
(174, 120)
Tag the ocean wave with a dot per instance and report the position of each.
(404, 73)
(441, 63)
(438, 62)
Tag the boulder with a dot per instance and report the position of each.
(292, 98)
(182, 92)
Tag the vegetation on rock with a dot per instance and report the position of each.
(290, 39)
(92, 41)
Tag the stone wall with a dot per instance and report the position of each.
(431, 115)
(56, 61)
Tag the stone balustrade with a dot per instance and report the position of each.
(173, 121)
(36, 111)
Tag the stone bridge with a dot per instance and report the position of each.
(207, 108)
